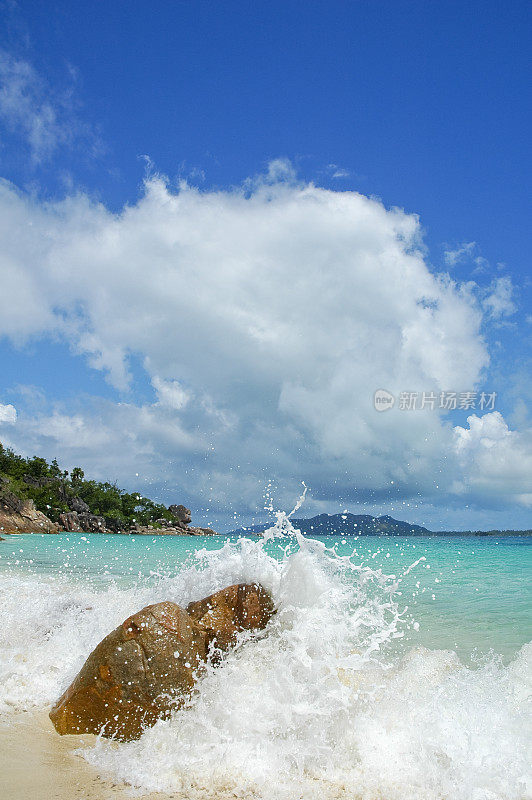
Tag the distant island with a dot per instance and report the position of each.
(36, 496)
(365, 525)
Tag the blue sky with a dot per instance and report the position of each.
(219, 148)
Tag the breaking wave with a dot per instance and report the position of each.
(322, 704)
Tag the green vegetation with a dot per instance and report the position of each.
(54, 491)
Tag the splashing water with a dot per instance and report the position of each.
(283, 526)
(318, 706)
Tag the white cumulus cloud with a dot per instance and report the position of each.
(495, 460)
(265, 317)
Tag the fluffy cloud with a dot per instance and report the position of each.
(265, 317)
(495, 460)
(8, 414)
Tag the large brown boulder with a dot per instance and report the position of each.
(135, 676)
(149, 664)
(224, 614)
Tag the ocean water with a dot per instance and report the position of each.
(395, 668)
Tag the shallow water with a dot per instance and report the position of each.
(396, 667)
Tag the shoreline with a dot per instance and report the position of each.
(37, 763)
(243, 532)
(4, 535)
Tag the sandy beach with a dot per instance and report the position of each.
(38, 764)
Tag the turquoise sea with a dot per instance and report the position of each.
(470, 594)
(396, 667)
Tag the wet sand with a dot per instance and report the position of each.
(38, 764)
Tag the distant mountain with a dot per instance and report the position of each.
(366, 525)
(348, 525)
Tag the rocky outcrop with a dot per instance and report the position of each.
(92, 523)
(181, 514)
(148, 666)
(169, 530)
(69, 522)
(21, 516)
(84, 522)
(18, 516)
(179, 525)
(78, 505)
(9, 502)
(201, 532)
